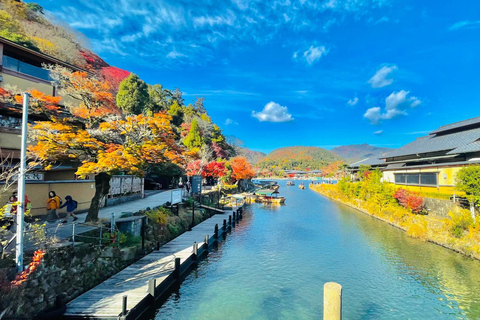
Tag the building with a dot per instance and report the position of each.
(22, 68)
(430, 163)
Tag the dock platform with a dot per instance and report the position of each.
(129, 293)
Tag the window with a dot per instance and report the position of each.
(413, 178)
(429, 178)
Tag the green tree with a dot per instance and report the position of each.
(132, 96)
(158, 98)
(194, 138)
(176, 112)
(35, 7)
(468, 181)
(10, 29)
(363, 171)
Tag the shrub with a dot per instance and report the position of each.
(409, 200)
(460, 220)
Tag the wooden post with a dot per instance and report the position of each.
(332, 301)
(124, 305)
(152, 283)
(234, 219)
(177, 269)
(229, 220)
(224, 227)
(215, 232)
(207, 240)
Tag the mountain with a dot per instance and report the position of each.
(252, 156)
(299, 158)
(356, 152)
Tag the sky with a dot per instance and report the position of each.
(319, 73)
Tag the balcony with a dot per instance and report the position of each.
(25, 68)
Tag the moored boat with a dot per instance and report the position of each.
(290, 183)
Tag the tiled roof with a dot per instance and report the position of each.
(457, 125)
(372, 161)
(457, 142)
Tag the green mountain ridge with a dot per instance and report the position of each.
(356, 152)
(299, 158)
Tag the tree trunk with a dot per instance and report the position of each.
(102, 187)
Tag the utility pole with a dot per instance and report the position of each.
(21, 187)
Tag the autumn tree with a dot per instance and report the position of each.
(132, 96)
(127, 145)
(194, 138)
(241, 169)
(114, 76)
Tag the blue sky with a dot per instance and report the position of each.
(316, 73)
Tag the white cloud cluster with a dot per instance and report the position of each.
(396, 104)
(152, 29)
(273, 112)
(353, 101)
(312, 55)
(379, 132)
(381, 77)
(465, 25)
(230, 121)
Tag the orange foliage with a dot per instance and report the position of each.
(241, 169)
(36, 261)
(126, 145)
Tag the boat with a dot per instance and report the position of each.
(302, 186)
(290, 183)
(232, 202)
(268, 196)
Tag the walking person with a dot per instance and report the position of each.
(71, 207)
(53, 203)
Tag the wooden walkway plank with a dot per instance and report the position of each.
(105, 300)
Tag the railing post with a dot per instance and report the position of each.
(215, 232)
(124, 305)
(152, 284)
(207, 240)
(332, 301)
(177, 269)
(224, 227)
(73, 233)
(234, 219)
(230, 220)
(112, 223)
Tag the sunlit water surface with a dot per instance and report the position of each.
(274, 265)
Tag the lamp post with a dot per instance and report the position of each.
(21, 187)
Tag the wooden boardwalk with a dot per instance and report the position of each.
(106, 301)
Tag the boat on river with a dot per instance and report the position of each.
(268, 196)
(302, 186)
(290, 183)
(232, 202)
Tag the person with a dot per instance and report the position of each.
(71, 207)
(53, 203)
(27, 203)
(187, 186)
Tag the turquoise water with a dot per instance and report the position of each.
(275, 263)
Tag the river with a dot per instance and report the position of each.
(275, 263)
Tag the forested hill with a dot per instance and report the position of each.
(300, 158)
(357, 152)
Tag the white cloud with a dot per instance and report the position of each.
(379, 132)
(380, 78)
(465, 25)
(230, 121)
(396, 104)
(312, 55)
(175, 54)
(353, 101)
(273, 112)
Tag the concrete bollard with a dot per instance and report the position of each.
(195, 250)
(332, 301)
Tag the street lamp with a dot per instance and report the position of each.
(21, 186)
